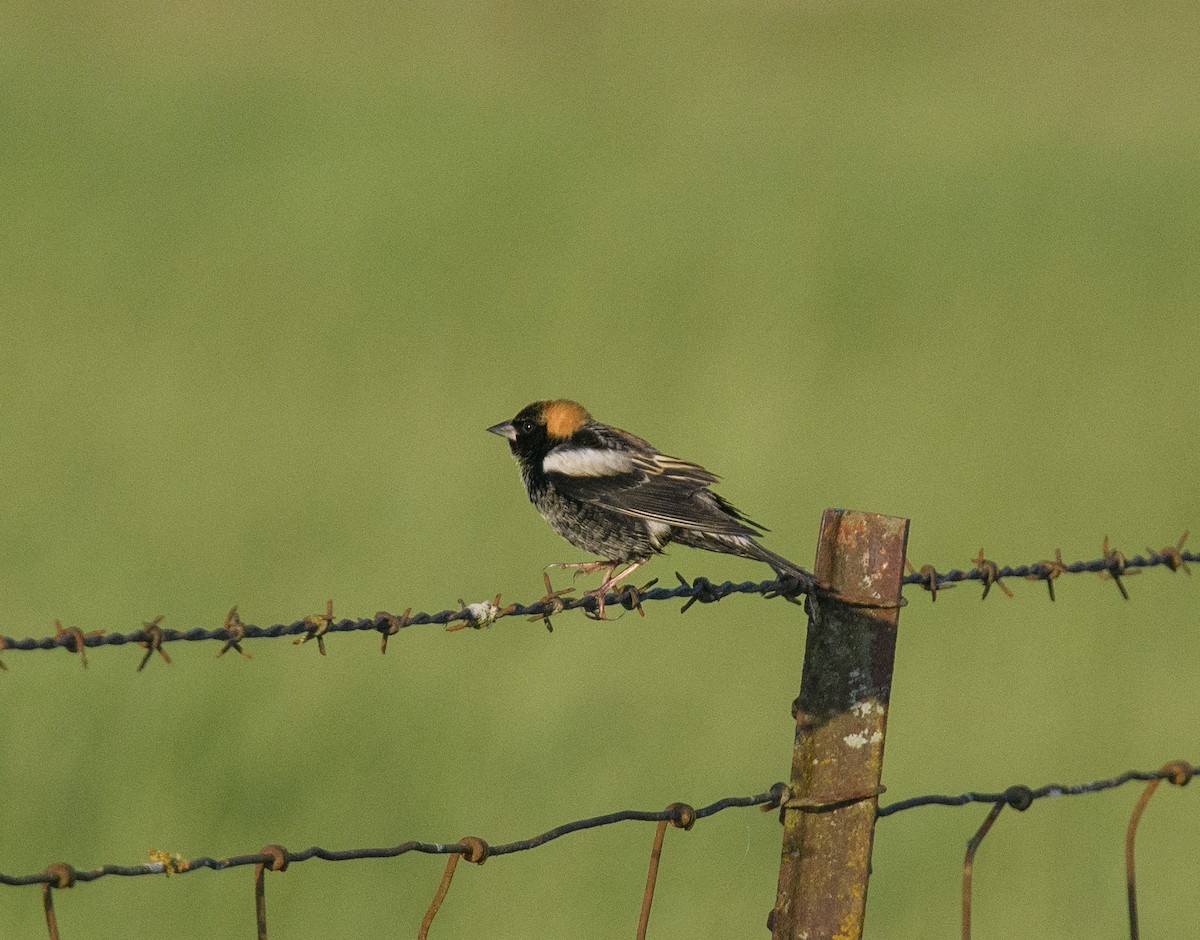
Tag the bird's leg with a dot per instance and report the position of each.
(587, 567)
(610, 581)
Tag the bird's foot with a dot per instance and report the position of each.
(611, 583)
(598, 613)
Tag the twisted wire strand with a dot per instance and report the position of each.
(768, 798)
(1020, 797)
(484, 614)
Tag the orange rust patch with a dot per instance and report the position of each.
(564, 418)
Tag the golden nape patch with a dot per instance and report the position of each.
(564, 418)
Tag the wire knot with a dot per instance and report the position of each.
(1115, 562)
(991, 575)
(316, 626)
(551, 603)
(236, 631)
(279, 856)
(1019, 798)
(153, 642)
(1051, 569)
(78, 638)
(1172, 555)
(631, 596)
(703, 591)
(927, 577)
(477, 850)
(792, 584)
(478, 616)
(389, 625)
(63, 875)
(779, 793)
(1180, 772)
(683, 816)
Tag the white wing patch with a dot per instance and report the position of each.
(658, 532)
(587, 462)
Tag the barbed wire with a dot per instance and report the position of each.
(152, 636)
(681, 815)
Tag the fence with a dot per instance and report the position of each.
(828, 813)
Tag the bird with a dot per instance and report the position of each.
(618, 497)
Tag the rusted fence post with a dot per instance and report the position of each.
(841, 718)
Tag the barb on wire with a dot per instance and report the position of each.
(989, 572)
(232, 633)
(1053, 569)
(153, 642)
(927, 577)
(1109, 564)
(316, 626)
(237, 632)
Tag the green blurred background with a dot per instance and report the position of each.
(268, 273)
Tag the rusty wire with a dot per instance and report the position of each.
(477, 854)
(1016, 795)
(270, 856)
(1019, 797)
(277, 858)
(1179, 773)
(969, 865)
(58, 875)
(684, 818)
(278, 861)
(233, 632)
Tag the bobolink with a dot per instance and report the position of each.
(615, 495)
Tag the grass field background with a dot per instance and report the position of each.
(268, 273)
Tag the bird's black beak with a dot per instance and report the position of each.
(504, 429)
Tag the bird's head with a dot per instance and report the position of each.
(541, 426)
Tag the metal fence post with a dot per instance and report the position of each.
(841, 718)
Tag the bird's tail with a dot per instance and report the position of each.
(784, 568)
(745, 545)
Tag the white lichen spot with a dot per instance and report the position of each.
(483, 614)
(857, 740)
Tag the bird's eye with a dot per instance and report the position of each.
(525, 426)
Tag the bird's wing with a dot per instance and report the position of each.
(640, 481)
